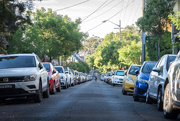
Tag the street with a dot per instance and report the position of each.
(90, 101)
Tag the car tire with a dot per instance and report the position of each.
(58, 89)
(46, 93)
(53, 91)
(124, 92)
(136, 98)
(39, 96)
(159, 100)
(168, 111)
(148, 99)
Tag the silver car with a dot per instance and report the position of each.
(63, 76)
(171, 105)
(23, 75)
(156, 80)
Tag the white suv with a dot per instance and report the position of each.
(23, 75)
(118, 77)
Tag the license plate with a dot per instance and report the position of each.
(6, 86)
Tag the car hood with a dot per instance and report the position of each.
(144, 76)
(120, 77)
(61, 74)
(17, 72)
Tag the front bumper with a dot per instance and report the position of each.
(129, 86)
(19, 89)
(140, 89)
(63, 82)
(117, 82)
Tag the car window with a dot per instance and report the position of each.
(120, 73)
(65, 69)
(147, 68)
(133, 69)
(161, 64)
(170, 59)
(17, 62)
(47, 66)
(59, 69)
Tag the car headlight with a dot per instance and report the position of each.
(143, 80)
(30, 78)
(129, 79)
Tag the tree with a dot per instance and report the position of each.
(155, 18)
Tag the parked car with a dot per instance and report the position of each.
(68, 75)
(171, 100)
(53, 76)
(130, 75)
(118, 77)
(72, 77)
(23, 75)
(102, 77)
(89, 77)
(141, 81)
(157, 79)
(82, 77)
(77, 77)
(63, 76)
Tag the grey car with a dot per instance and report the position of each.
(156, 80)
(23, 75)
(171, 105)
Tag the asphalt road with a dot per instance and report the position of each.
(90, 101)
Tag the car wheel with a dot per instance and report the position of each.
(124, 92)
(39, 96)
(168, 111)
(159, 100)
(148, 99)
(136, 98)
(46, 93)
(54, 88)
(58, 89)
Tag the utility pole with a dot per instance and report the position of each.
(143, 36)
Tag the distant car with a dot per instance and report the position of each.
(68, 75)
(63, 76)
(130, 75)
(23, 75)
(102, 77)
(72, 77)
(89, 77)
(82, 77)
(171, 100)
(156, 81)
(77, 77)
(53, 76)
(141, 81)
(118, 77)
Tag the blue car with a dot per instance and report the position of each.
(141, 81)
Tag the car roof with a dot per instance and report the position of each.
(28, 54)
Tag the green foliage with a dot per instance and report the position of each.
(130, 54)
(79, 66)
(155, 18)
(50, 35)
(109, 55)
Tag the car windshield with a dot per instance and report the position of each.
(59, 69)
(17, 62)
(65, 69)
(133, 69)
(47, 66)
(147, 68)
(170, 59)
(120, 73)
(72, 71)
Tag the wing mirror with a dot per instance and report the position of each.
(40, 66)
(156, 69)
(136, 72)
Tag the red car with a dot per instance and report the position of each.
(54, 79)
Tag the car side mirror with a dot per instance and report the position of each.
(137, 72)
(125, 72)
(54, 72)
(156, 69)
(66, 72)
(40, 66)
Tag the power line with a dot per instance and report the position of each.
(130, 11)
(72, 5)
(105, 11)
(111, 16)
(120, 11)
(106, 4)
(95, 10)
(136, 11)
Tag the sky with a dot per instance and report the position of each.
(94, 12)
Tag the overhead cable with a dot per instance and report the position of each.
(72, 5)
(95, 10)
